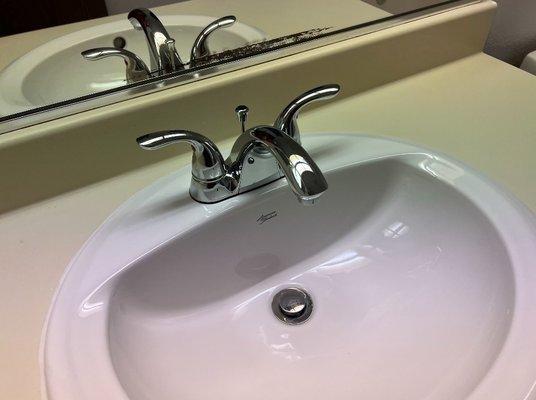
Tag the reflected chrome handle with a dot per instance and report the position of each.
(136, 70)
(207, 161)
(302, 173)
(286, 121)
(200, 48)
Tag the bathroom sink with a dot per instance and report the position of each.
(55, 71)
(420, 271)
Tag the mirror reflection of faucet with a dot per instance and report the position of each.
(164, 58)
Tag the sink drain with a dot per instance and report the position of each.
(292, 306)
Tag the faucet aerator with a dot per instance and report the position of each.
(307, 202)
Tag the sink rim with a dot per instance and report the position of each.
(519, 251)
(12, 98)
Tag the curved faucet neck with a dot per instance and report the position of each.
(164, 57)
(303, 175)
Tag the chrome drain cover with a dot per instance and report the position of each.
(292, 306)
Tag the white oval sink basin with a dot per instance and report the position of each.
(56, 71)
(421, 273)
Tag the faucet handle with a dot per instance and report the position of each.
(136, 70)
(200, 48)
(286, 120)
(242, 115)
(207, 161)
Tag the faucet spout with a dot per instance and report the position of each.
(303, 175)
(164, 57)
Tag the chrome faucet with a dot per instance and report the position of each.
(259, 155)
(164, 56)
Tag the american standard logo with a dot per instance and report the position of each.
(265, 217)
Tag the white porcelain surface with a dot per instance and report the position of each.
(421, 271)
(56, 71)
(529, 63)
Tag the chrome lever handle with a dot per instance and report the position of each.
(286, 120)
(242, 115)
(136, 70)
(200, 47)
(207, 161)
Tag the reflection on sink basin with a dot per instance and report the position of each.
(56, 71)
(420, 270)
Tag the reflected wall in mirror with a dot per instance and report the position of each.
(126, 49)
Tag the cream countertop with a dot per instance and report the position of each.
(477, 109)
(276, 18)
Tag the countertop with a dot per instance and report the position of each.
(477, 109)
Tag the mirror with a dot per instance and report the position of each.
(125, 49)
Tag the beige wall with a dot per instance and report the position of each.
(513, 33)
(123, 6)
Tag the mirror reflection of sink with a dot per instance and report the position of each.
(420, 271)
(56, 71)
